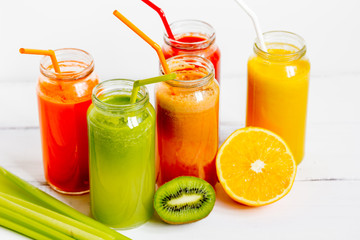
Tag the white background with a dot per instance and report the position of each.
(325, 200)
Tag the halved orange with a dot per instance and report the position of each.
(255, 166)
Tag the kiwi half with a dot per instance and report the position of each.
(184, 200)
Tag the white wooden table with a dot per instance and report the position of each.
(324, 202)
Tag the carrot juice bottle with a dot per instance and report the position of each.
(278, 82)
(187, 120)
(63, 100)
(193, 37)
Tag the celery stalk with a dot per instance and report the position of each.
(20, 189)
(61, 223)
(23, 230)
(29, 227)
(53, 219)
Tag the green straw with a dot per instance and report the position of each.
(139, 83)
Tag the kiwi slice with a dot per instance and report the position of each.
(184, 199)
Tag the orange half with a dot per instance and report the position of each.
(255, 166)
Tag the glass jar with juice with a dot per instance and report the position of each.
(278, 83)
(122, 154)
(193, 37)
(63, 100)
(187, 120)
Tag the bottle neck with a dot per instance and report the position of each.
(74, 64)
(191, 35)
(114, 96)
(281, 46)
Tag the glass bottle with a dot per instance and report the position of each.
(193, 37)
(278, 83)
(187, 120)
(122, 154)
(63, 99)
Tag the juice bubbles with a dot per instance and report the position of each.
(193, 37)
(63, 100)
(278, 82)
(187, 120)
(122, 155)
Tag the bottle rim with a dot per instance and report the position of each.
(61, 56)
(207, 31)
(118, 85)
(281, 38)
(192, 59)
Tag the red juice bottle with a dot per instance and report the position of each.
(63, 101)
(193, 37)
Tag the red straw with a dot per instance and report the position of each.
(163, 18)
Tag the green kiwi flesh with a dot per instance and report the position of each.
(184, 199)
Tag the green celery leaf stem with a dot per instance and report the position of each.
(53, 219)
(23, 230)
(51, 203)
(29, 227)
(44, 216)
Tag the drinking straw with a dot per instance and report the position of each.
(162, 16)
(139, 83)
(255, 21)
(49, 53)
(153, 44)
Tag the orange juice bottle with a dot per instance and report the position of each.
(187, 119)
(278, 83)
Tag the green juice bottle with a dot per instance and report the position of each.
(122, 156)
